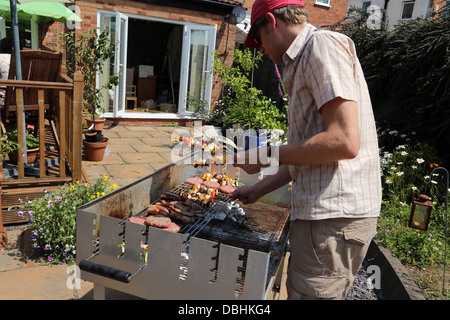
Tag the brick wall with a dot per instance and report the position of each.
(225, 37)
(89, 15)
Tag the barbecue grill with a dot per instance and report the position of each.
(216, 257)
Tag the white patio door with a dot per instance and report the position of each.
(120, 64)
(197, 60)
(113, 101)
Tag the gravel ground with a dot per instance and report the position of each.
(362, 288)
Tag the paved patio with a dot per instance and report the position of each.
(134, 151)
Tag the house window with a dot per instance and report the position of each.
(324, 2)
(28, 32)
(365, 5)
(408, 8)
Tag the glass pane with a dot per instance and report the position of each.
(198, 58)
(420, 217)
(408, 10)
(24, 34)
(107, 21)
(327, 2)
(121, 52)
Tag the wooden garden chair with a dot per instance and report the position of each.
(37, 65)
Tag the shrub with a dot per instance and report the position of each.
(241, 103)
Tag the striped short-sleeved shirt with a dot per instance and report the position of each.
(320, 66)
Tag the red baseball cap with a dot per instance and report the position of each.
(259, 9)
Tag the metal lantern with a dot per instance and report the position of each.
(420, 212)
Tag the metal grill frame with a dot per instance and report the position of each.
(213, 268)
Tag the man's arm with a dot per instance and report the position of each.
(340, 140)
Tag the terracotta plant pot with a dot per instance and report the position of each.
(32, 155)
(95, 151)
(93, 136)
(99, 123)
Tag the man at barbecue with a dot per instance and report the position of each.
(331, 157)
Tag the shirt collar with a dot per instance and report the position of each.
(299, 43)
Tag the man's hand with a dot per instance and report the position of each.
(250, 194)
(251, 161)
(245, 194)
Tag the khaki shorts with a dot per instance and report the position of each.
(326, 256)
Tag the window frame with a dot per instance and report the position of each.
(326, 3)
(405, 3)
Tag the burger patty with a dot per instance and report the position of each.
(211, 184)
(158, 221)
(227, 189)
(194, 180)
(173, 227)
(138, 220)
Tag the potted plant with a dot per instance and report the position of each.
(32, 145)
(7, 146)
(95, 151)
(91, 50)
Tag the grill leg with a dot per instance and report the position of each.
(99, 292)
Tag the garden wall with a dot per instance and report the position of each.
(396, 284)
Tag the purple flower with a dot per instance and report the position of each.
(20, 214)
(30, 212)
(50, 258)
(47, 247)
(58, 200)
(50, 203)
(41, 230)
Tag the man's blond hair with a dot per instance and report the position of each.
(292, 14)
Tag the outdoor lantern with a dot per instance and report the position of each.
(420, 212)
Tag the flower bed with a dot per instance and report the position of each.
(53, 218)
(405, 173)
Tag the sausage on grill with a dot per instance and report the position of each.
(157, 209)
(170, 197)
(181, 218)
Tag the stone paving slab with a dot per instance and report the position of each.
(135, 151)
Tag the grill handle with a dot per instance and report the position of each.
(105, 271)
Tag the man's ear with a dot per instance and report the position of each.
(272, 20)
